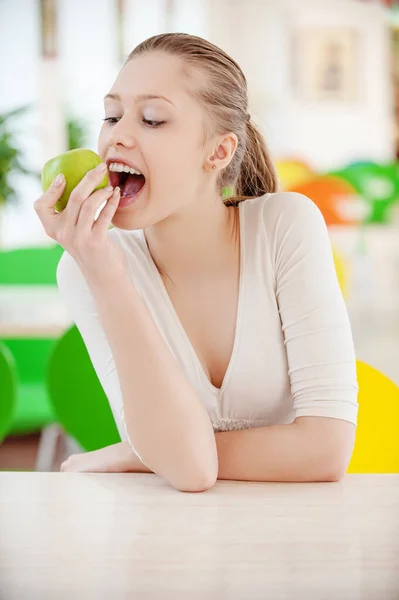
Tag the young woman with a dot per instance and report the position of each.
(216, 327)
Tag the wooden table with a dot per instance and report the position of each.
(112, 536)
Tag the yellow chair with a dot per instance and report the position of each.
(377, 437)
(292, 172)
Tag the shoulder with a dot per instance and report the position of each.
(294, 228)
(290, 207)
(288, 218)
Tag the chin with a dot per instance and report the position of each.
(126, 221)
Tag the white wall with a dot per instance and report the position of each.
(87, 66)
(257, 33)
(19, 85)
(88, 58)
(330, 134)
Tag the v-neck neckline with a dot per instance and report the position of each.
(175, 316)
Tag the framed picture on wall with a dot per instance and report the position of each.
(48, 23)
(326, 64)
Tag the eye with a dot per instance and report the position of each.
(111, 120)
(153, 124)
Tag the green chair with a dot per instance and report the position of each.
(33, 410)
(30, 266)
(78, 399)
(8, 389)
(34, 265)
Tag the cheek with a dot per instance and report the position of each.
(102, 143)
(179, 158)
(164, 160)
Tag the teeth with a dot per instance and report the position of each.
(120, 168)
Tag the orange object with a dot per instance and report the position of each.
(336, 198)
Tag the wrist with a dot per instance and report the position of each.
(97, 276)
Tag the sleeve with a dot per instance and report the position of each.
(81, 307)
(315, 323)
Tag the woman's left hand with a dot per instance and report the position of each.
(117, 458)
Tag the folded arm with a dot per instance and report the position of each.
(321, 361)
(309, 449)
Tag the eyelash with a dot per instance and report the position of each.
(112, 120)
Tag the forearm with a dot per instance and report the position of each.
(123, 459)
(167, 424)
(281, 453)
(117, 458)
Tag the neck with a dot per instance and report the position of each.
(196, 242)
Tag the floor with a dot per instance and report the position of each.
(18, 453)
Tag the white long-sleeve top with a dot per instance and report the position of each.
(293, 352)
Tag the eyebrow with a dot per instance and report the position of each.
(140, 98)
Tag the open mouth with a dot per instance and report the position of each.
(129, 184)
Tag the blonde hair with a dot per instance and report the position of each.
(224, 95)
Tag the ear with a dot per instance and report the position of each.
(224, 152)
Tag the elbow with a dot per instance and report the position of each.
(331, 476)
(339, 462)
(338, 474)
(200, 475)
(331, 443)
(335, 472)
(201, 483)
(329, 469)
(199, 487)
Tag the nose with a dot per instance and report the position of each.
(121, 136)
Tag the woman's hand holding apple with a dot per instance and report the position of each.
(75, 229)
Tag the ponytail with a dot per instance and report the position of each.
(257, 175)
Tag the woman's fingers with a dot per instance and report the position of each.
(44, 206)
(83, 190)
(62, 224)
(105, 217)
(75, 228)
(89, 209)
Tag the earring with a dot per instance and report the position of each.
(213, 167)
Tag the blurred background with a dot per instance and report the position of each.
(323, 79)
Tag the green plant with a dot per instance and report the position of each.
(11, 156)
(76, 133)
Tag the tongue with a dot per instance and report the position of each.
(133, 184)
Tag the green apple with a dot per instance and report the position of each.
(74, 164)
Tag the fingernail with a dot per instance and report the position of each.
(117, 191)
(109, 188)
(59, 180)
(101, 167)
